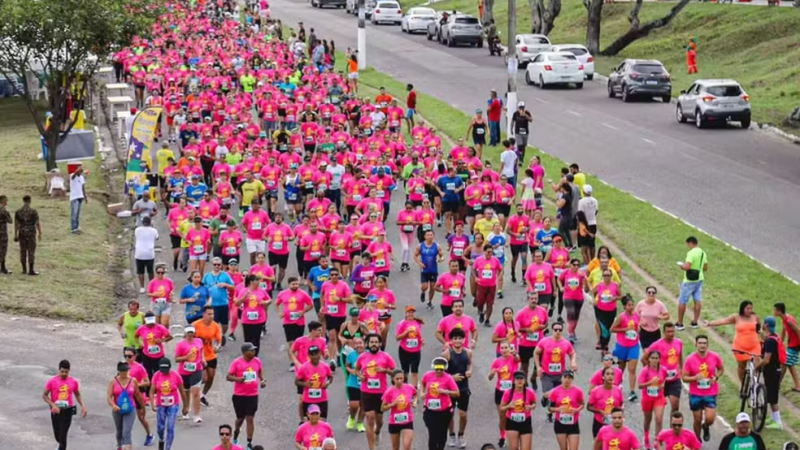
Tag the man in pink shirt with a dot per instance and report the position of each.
(616, 436)
(458, 320)
(532, 322)
(246, 375)
(486, 268)
(255, 222)
(314, 378)
(61, 393)
(312, 245)
(225, 442)
(677, 436)
(278, 236)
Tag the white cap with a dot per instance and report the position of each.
(742, 417)
(587, 188)
(189, 329)
(520, 104)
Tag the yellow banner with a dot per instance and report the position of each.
(140, 160)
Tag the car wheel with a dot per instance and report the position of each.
(541, 82)
(579, 85)
(666, 98)
(611, 93)
(626, 97)
(699, 121)
(679, 114)
(528, 80)
(590, 76)
(745, 123)
(450, 42)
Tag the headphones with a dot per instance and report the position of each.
(440, 360)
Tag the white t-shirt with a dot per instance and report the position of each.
(145, 246)
(76, 187)
(509, 160)
(336, 175)
(589, 207)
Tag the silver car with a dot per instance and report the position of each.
(435, 27)
(530, 45)
(386, 12)
(462, 28)
(709, 102)
(352, 7)
(417, 19)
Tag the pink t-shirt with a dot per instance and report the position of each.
(606, 299)
(312, 436)
(648, 314)
(554, 355)
(507, 331)
(517, 228)
(605, 401)
(540, 278)
(334, 298)
(671, 356)
(249, 370)
(295, 303)
(253, 310)
(233, 447)
(597, 378)
(263, 271)
(302, 344)
(62, 391)
(572, 398)
(505, 368)
(435, 400)
(381, 256)
(315, 243)
(340, 245)
(486, 270)
(318, 376)
(450, 322)
(194, 350)
(573, 283)
(167, 388)
(707, 368)
(413, 340)
(138, 372)
(520, 399)
(402, 413)
(648, 374)
(370, 319)
(458, 245)
(685, 440)
(198, 241)
(148, 335)
(531, 324)
(629, 337)
(453, 286)
(279, 236)
(256, 224)
(230, 242)
(162, 289)
(386, 301)
(374, 381)
(405, 220)
(625, 439)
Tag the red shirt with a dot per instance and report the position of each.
(494, 110)
(794, 339)
(411, 102)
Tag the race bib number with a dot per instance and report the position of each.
(487, 274)
(573, 283)
(262, 286)
(652, 391)
(532, 337)
(333, 309)
(426, 227)
(340, 252)
(199, 249)
(190, 367)
(558, 272)
(704, 383)
(315, 393)
(315, 255)
(309, 185)
(505, 385)
(408, 228)
(434, 404)
(167, 400)
(539, 287)
(62, 404)
(522, 132)
(161, 300)
(631, 335)
(412, 343)
(485, 199)
(206, 223)
(458, 252)
(230, 251)
(566, 419)
(309, 138)
(270, 183)
(380, 263)
(252, 315)
(401, 417)
(518, 417)
(450, 186)
(334, 185)
(366, 284)
(605, 298)
(480, 131)
(373, 383)
(607, 419)
(255, 226)
(380, 194)
(153, 349)
(672, 373)
(356, 198)
(454, 292)
(277, 245)
(554, 367)
(249, 376)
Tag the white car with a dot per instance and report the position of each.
(583, 55)
(417, 19)
(530, 45)
(554, 68)
(387, 12)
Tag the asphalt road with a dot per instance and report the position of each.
(95, 349)
(737, 185)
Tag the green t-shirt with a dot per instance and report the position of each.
(410, 167)
(248, 81)
(218, 225)
(698, 258)
(741, 442)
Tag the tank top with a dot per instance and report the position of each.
(478, 131)
(428, 256)
(350, 335)
(459, 363)
(129, 325)
(118, 388)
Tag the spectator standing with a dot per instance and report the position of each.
(5, 220)
(494, 111)
(509, 160)
(742, 436)
(26, 231)
(411, 106)
(694, 267)
(589, 206)
(773, 356)
(77, 196)
(145, 251)
(791, 330)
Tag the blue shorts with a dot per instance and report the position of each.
(410, 113)
(700, 402)
(792, 357)
(693, 289)
(221, 314)
(626, 353)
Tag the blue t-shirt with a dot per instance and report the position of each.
(195, 193)
(219, 296)
(318, 275)
(448, 185)
(352, 380)
(499, 242)
(194, 309)
(174, 182)
(428, 257)
(546, 237)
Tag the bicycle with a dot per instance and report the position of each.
(753, 392)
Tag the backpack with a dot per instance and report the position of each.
(124, 401)
(781, 350)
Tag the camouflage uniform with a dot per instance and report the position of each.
(5, 220)
(27, 218)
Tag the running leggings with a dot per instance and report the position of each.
(605, 319)
(61, 423)
(405, 242)
(123, 425)
(573, 309)
(437, 423)
(165, 424)
(252, 334)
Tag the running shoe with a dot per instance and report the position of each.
(633, 397)
(679, 327)
(148, 441)
(452, 441)
(462, 441)
(480, 318)
(513, 278)
(360, 427)
(351, 423)
(706, 433)
(694, 325)
(501, 443)
(499, 294)
(185, 417)
(204, 401)
(198, 419)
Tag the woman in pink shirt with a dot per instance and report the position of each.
(567, 401)
(160, 291)
(253, 302)
(603, 400)
(406, 222)
(340, 244)
(626, 328)
(572, 284)
(311, 434)
(387, 302)
(606, 294)
(382, 254)
(650, 311)
(651, 382)
(410, 340)
(507, 330)
(123, 395)
(517, 404)
(189, 356)
(438, 388)
(503, 367)
(400, 400)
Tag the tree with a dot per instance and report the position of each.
(594, 9)
(638, 31)
(488, 11)
(64, 42)
(543, 18)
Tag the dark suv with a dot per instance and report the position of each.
(640, 78)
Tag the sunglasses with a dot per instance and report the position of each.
(557, 330)
(161, 272)
(217, 265)
(224, 434)
(576, 265)
(651, 292)
(130, 355)
(608, 359)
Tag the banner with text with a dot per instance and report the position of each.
(142, 134)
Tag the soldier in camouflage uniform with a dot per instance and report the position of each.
(26, 229)
(5, 220)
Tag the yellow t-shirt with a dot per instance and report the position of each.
(580, 180)
(184, 228)
(162, 156)
(79, 118)
(596, 276)
(250, 189)
(485, 226)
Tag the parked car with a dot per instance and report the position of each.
(714, 101)
(417, 19)
(434, 28)
(583, 55)
(462, 28)
(387, 12)
(352, 7)
(640, 78)
(530, 45)
(323, 3)
(548, 68)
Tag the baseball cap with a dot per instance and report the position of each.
(233, 262)
(411, 308)
(248, 347)
(742, 417)
(313, 409)
(189, 329)
(313, 350)
(164, 365)
(587, 188)
(353, 311)
(521, 105)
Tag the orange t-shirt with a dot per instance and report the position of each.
(352, 66)
(209, 334)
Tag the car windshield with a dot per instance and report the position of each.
(532, 40)
(561, 58)
(577, 51)
(389, 5)
(649, 68)
(467, 20)
(725, 91)
(423, 12)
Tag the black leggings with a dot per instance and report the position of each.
(208, 167)
(252, 334)
(118, 76)
(437, 423)
(61, 423)
(150, 365)
(564, 231)
(573, 308)
(605, 319)
(560, 295)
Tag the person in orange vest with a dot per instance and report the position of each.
(691, 59)
(480, 10)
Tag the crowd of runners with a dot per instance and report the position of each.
(271, 153)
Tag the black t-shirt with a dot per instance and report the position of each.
(520, 123)
(566, 210)
(771, 346)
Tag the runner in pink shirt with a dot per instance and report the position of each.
(340, 243)
(253, 302)
(567, 401)
(438, 388)
(486, 267)
(292, 305)
(168, 397)
(603, 400)
(255, 222)
(541, 277)
(382, 254)
(507, 330)
(517, 228)
(452, 285)
(189, 356)
(314, 377)
(626, 350)
(374, 366)
(335, 297)
(299, 350)
(608, 362)
(61, 393)
(671, 350)
(400, 400)
(199, 240)
(313, 246)
(617, 436)
(517, 404)
(572, 283)
(152, 337)
(410, 340)
(677, 437)
(278, 236)
(160, 290)
(504, 368)
(457, 320)
(531, 323)
(701, 370)
(225, 432)
(651, 381)
(606, 294)
(246, 375)
(550, 358)
(407, 224)
(313, 433)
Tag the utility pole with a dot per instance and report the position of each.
(362, 36)
(513, 64)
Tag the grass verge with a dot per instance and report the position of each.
(74, 282)
(755, 45)
(653, 240)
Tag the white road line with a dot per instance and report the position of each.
(609, 126)
(648, 141)
(541, 100)
(574, 113)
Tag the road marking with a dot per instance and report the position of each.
(648, 141)
(541, 100)
(574, 113)
(609, 126)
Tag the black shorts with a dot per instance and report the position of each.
(426, 277)
(772, 380)
(333, 323)
(520, 427)
(560, 428)
(245, 405)
(501, 208)
(525, 354)
(596, 426)
(473, 211)
(517, 249)
(371, 402)
(355, 254)
(354, 394)
(416, 203)
(308, 265)
(462, 402)
(647, 338)
(192, 380)
(545, 299)
(175, 241)
(323, 408)
(293, 331)
(409, 361)
(271, 194)
(451, 207)
(299, 390)
(281, 261)
(673, 388)
(498, 396)
(396, 429)
(222, 314)
(212, 364)
(145, 265)
(307, 191)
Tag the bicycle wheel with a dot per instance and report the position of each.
(760, 408)
(744, 391)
